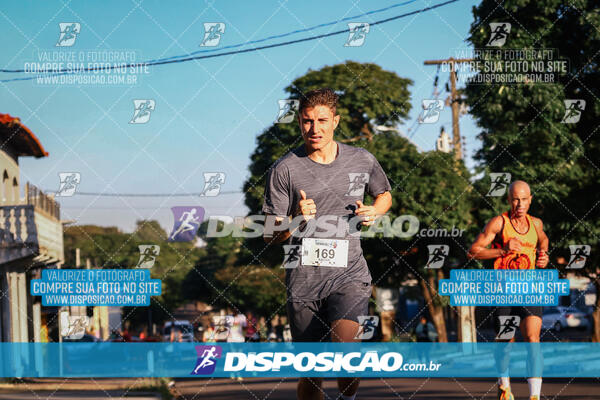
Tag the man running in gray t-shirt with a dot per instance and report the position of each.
(322, 183)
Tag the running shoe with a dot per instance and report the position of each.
(505, 393)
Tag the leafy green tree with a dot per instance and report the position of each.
(228, 276)
(521, 129)
(218, 253)
(110, 248)
(434, 188)
(253, 287)
(577, 36)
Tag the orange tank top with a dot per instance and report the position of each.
(525, 259)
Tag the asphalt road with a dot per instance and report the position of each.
(285, 389)
(414, 389)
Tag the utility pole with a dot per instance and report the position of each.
(466, 322)
(456, 139)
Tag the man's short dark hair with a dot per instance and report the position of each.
(319, 97)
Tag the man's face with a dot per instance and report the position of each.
(317, 125)
(520, 200)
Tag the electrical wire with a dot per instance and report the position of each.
(264, 39)
(99, 194)
(186, 58)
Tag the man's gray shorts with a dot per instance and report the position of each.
(310, 321)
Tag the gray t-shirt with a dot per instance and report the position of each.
(334, 187)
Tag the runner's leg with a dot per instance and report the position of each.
(344, 306)
(310, 389)
(308, 324)
(344, 330)
(531, 326)
(502, 354)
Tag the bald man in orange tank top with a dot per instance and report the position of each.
(517, 241)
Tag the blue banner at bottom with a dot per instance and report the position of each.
(106, 359)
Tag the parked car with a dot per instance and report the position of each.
(559, 318)
(182, 331)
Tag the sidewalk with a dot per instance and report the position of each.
(87, 395)
(81, 388)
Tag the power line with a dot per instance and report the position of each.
(186, 59)
(288, 33)
(325, 24)
(199, 194)
(89, 209)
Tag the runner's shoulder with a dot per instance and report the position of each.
(355, 151)
(496, 223)
(536, 221)
(283, 163)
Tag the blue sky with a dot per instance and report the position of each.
(208, 112)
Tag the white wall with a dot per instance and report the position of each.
(9, 172)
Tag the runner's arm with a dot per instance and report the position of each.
(382, 203)
(479, 250)
(543, 241)
(282, 235)
(542, 258)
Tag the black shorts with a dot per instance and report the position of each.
(522, 311)
(310, 321)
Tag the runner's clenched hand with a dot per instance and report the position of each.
(368, 213)
(542, 259)
(306, 207)
(513, 244)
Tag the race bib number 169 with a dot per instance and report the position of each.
(325, 252)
